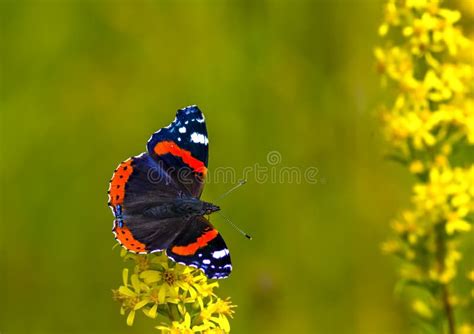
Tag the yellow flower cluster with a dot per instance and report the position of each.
(447, 197)
(429, 116)
(434, 85)
(180, 295)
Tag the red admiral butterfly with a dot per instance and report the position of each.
(155, 198)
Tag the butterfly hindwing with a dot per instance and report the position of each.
(155, 234)
(201, 245)
(182, 148)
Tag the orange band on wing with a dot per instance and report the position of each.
(170, 147)
(126, 239)
(119, 179)
(199, 243)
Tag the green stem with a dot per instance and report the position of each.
(170, 312)
(448, 310)
(441, 255)
(173, 312)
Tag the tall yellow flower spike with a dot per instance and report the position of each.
(430, 126)
(180, 298)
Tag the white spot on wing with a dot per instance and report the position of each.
(199, 138)
(220, 254)
(206, 261)
(182, 129)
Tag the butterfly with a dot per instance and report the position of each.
(155, 198)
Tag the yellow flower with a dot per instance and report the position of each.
(470, 275)
(225, 307)
(422, 309)
(391, 14)
(416, 167)
(450, 266)
(395, 62)
(177, 327)
(440, 161)
(466, 329)
(391, 247)
(214, 331)
(418, 4)
(180, 293)
(419, 33)
(448, 196)
(216, 314)
(457, 225)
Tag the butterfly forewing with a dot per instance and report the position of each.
(182, 148)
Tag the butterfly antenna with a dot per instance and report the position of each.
(235, 226)
(238, 185)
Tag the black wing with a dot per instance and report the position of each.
(182, 148)
(200, 245)
(138, 184)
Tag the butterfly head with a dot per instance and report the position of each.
(210, 208)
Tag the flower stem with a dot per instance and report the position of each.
(441, 250)
(170, 312)
(448, 310)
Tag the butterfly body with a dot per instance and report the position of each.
(155, 198)
(181, 207)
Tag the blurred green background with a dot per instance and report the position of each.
(85, 83)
